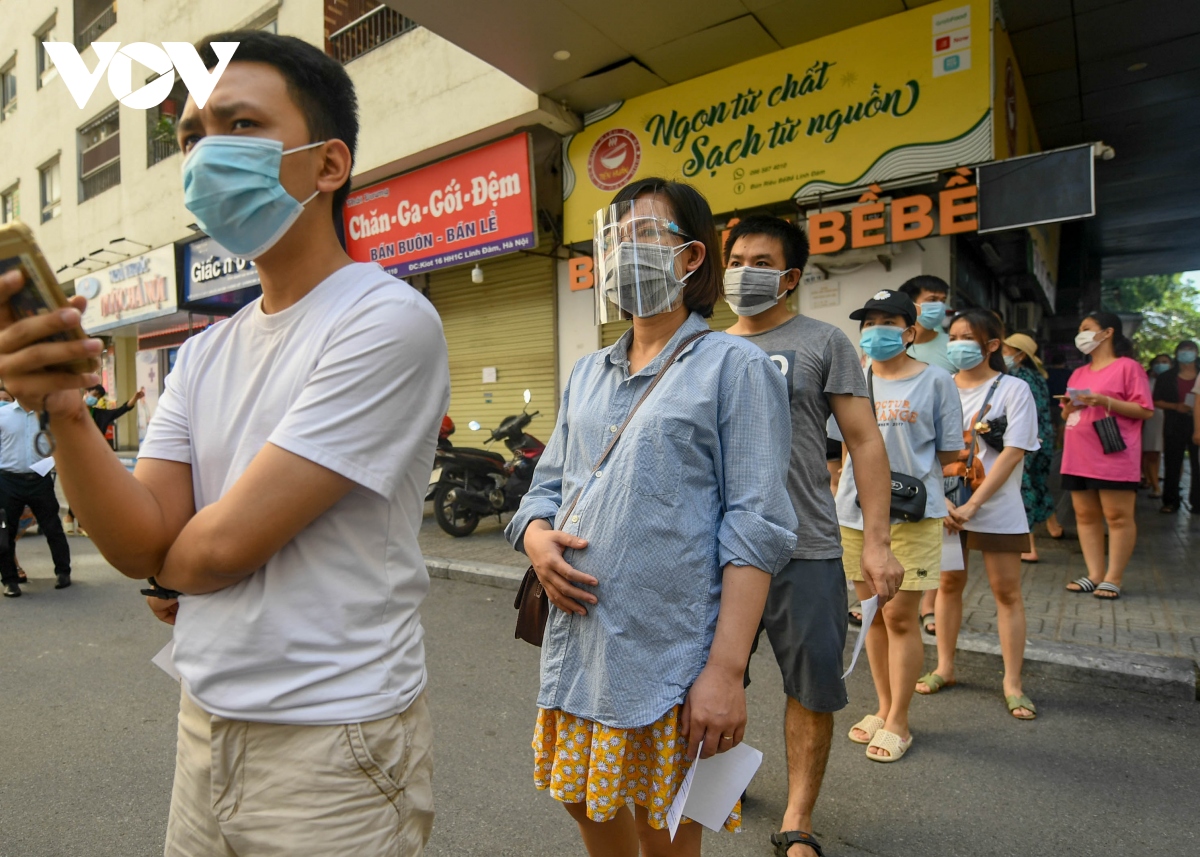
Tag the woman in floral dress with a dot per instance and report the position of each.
(1020, 353)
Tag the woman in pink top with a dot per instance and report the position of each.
(1103, 485)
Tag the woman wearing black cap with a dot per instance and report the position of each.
(918, 413)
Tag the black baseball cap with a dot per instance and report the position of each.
(891, 302)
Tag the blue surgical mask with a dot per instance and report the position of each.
(1186, 356)
(1159, 368)
(1010, 362)
(882, 342)
(933, 313)
(90, 401)
(964, 354)
(231, 186)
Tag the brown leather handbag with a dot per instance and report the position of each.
(532, 604)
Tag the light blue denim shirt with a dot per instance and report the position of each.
(18, 428)
(697, 481)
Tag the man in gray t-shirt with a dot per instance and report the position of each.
(805, 617)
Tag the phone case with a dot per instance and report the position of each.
(19, 249)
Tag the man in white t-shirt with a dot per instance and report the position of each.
(279, 488)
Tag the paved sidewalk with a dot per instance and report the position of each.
(1158, 613)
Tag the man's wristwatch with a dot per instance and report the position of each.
(157, 591)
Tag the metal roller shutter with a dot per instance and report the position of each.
(506, 322)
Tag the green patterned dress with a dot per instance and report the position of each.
(1039, 505)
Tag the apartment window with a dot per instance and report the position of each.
(92, 18)
(100, 154)
(50, 178)
(8, 89)
(10, 205)
(45, 67)
(160, 125)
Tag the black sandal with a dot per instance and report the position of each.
(786, 839)
(854, 618)
(22, 577)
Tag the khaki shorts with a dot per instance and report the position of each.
(269, 790)
(917, 545)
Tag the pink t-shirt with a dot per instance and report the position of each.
(1082, 453)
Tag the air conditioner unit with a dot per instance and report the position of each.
(1028, 315)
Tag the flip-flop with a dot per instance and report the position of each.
(869, 724)
(1022, 701)
(934, 682)
(1085, 585)
(1107, 587)
(854, 618)
(925, 624)
(1030, 558)
(890, 741)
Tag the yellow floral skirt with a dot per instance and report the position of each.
(582, 761)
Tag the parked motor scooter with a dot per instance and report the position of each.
(479, 482)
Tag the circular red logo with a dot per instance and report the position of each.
(614, 159)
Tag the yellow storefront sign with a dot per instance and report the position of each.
(899, 96)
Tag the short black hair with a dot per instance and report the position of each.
(318, 84)
(790, 236)
(695, 219)
(98, 389)
(925, 283)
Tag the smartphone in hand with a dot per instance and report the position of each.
(41, 294)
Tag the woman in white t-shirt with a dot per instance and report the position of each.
(917, 409)
(993, 520)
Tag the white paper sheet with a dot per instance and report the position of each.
(713, 786)
(952, 553)
(41, 468)
(165, 660)
(868, 608)
(675, 813)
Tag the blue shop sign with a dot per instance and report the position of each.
(210, 270)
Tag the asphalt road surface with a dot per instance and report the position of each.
(87, 746)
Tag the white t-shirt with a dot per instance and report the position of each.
(355, 378)
(918, 416)
(1004, 512)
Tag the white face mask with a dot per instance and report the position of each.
(1086, 341)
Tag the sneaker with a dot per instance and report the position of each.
(11, 590)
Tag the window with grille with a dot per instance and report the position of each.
(160, 125)
(8, 89)
(100, 154)
(10, 205)
(45, 67)
(50, 179)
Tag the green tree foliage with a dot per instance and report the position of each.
(1170, 311)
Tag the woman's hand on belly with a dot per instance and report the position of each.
(544, 547)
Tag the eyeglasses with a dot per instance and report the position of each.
(646, 229)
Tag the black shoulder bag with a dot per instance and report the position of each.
(908, 493)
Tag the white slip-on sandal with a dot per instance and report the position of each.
(890, 741)
(869, 724)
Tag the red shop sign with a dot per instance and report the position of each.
(473, 206)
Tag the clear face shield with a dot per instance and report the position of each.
(638, 264)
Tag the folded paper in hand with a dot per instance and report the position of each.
(713, 786)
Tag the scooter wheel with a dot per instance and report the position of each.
(453, 518)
